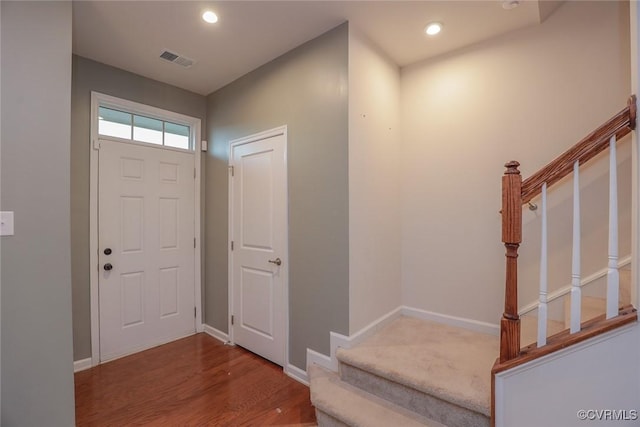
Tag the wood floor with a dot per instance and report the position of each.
(195, 381)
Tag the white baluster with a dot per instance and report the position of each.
(613, 276)
(542, 305)
(576, 291)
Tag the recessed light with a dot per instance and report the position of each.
(433, 28)
(510, 4)
(210, 17)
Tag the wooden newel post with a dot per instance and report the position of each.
(511, 237)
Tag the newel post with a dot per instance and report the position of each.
(511, 237)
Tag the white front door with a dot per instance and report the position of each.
(146, 247)
(259, 269)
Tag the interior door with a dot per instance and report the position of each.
(259, 270)
(146, 243)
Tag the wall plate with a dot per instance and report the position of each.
(6, 223)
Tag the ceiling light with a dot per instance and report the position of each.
(510, 4)
(433, 28)
(210, 17)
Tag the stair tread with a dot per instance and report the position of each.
(529, 329)
(356, 407)
(447, 362)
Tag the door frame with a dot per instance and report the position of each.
(100, 99)
(281, 130)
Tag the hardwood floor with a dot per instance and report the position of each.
(195, 381)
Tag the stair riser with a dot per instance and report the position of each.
(413, 400)
(326, 420)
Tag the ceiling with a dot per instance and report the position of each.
(131, 35)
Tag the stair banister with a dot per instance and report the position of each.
(516, 192)
(576, 289)
(591, 145)
(613, 275)
(511, 237)
(544, 286)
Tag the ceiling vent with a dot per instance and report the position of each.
(177, 59)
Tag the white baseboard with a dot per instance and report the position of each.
(342, 341)
(199, 327)
(460, 322)
(319, 359)
(81, 365)
(217, 334)
(338, 340)
(297, 374)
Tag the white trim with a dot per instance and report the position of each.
(99, 99)
(337, 340)
(567, 288)
(566, 351)
(634, 13)
(460, 322)
(502, 376)
(147, 111)
(93, 234)
(281, 130)
(297, 374)
(319, 359)
(143, 144)
(82, 365)
(216, 333)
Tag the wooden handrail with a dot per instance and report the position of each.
(515, 193)
(620, 125)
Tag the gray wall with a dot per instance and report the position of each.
(37, 363)
(305, 89)
(90, 76)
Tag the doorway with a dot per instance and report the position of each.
(258, 230)
(145, 227)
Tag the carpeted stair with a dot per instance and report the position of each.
(412, 372)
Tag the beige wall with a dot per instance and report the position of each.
(374, 183)
(527, 95)
(305, 89)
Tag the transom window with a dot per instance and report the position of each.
(121, 124)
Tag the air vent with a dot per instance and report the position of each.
(176, 59)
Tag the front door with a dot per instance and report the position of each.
(259, 273)
(146, 247)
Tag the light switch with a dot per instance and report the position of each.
(203, 145)
(6, 223)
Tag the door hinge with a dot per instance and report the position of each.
(194, 243)
(232, 170)
(194, 312)
(96, 144)
(232, 319)
(194, 173)
(232, 245)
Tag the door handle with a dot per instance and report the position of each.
(276, 261)
(108, 267)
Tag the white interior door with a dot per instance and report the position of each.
(258, 262)
(146, 247)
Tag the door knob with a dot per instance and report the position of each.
(276, 261)
(107, 251)
(108, 267)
